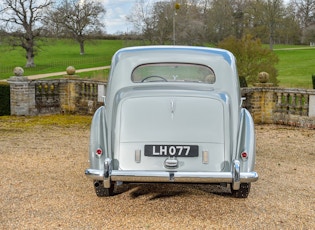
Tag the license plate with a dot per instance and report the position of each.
(171, 150)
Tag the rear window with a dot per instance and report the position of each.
(173, 72)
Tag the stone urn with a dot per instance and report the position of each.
(70, 70)
(263, 77)
(18, 71)
(18, 75)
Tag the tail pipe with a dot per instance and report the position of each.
(96, 184)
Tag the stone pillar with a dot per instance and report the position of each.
(22, 94)
(68, 97)
(256, 106)
(263, 100)
(311, 112)
(68, 100)
(267, 106)
(263, 104)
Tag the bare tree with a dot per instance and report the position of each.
(152, 20)
(274, 13)
(23, 19)
(204, 21)
(79, 19)
(219, 18)
(190, 25)
(160, 22)
(139, 16)
(289, 30)
(305, 11)
(266, 19)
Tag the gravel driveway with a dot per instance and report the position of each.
(43, 186)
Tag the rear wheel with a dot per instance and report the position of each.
(101, 191)
(242, 192)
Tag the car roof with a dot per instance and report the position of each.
(228, 56)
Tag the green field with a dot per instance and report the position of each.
(57, 55)
(296, 66)
(296, 63)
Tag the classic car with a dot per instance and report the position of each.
(172, 114)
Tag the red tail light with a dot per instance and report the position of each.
(244, 155)
(99, 152)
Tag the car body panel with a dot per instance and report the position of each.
(146, 126)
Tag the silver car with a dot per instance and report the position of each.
(172, 114)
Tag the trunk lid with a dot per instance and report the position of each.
(154, 130)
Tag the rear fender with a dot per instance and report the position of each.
(246, 142)
(98, 139)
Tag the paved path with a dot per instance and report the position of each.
(297, 48)
(39, 76)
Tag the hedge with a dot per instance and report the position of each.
(4, 99)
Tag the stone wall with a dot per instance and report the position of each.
(66, 95)
(271, 105)
(268, 105)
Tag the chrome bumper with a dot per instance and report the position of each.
(180, 177)
(235, 177)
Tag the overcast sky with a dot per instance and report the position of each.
(116, 12)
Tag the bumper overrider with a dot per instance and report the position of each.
(235, 177)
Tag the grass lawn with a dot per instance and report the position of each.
(29, 122)
(295, 68)
(56, 55)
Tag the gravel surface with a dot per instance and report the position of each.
(43, 186)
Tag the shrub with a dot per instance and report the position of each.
(4, 99)
(252, 58)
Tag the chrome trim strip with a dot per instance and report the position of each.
(164, 176)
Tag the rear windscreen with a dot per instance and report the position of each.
(173, 72)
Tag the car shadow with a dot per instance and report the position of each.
(165, 190)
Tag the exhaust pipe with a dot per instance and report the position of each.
(97, 184)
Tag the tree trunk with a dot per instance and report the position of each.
(30, 58)
(271, 36)
(271, 42)
(82, 52)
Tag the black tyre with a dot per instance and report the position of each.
(242, 192)
(101, 191)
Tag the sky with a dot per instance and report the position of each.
(116, 13)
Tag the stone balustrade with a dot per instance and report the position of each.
(271, 105)
(66, 95)
(47, 99)
(267, 104)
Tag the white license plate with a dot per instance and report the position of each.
(171, 150)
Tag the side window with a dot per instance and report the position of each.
(173, 72)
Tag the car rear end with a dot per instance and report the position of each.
(173, 121)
